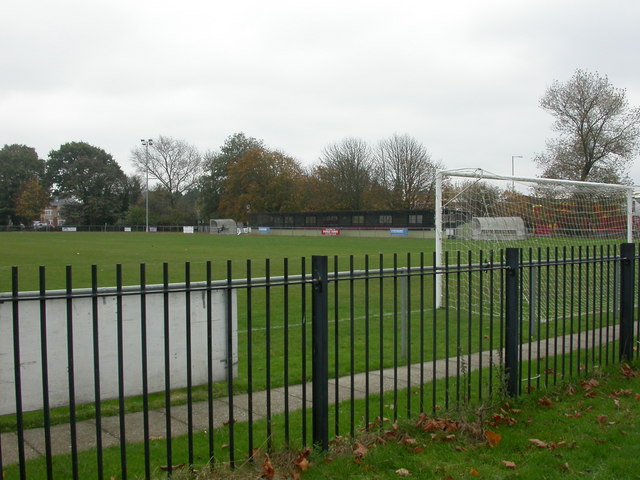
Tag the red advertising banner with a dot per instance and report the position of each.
(331, 231)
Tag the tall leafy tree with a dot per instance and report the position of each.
(211, 186)
(19, 165)
(31, 201)
(91, 178)
(175, 164)
(599, 133)
(261, 181)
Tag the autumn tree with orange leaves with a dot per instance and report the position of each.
(262, 181)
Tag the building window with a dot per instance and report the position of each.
(386, 219)
(310, 220)
(415, 219)
(358, 220)
(48, 213)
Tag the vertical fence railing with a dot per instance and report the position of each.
(512, 321)
(320, 352)
(627, 277)
(386, 329)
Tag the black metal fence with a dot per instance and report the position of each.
(292, 354)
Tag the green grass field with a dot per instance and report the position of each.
(55, 251)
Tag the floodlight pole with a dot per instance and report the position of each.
(146, 144)
(513, 174)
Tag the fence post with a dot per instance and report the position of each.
(404, 296)
(512, 321)
(627, 262)
(320, 352)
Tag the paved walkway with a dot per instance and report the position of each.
(86, 430)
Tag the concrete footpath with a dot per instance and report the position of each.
(86, 430)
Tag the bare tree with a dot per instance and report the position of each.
(599, 133)
(175, 164)
(406, 170)
(346, 169)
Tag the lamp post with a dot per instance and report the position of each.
(513, 183)
(146, 144)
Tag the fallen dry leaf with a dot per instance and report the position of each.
(545, 402)
(302, 464)
(409, 441)
(589, 384)
(360, 451)
(538, 443)
(621, 393)
(493, 438)
(602, 419)
(474, 472)
(500, 419)
(165, 468)
(403, 472)
(554, 445)
(509, 464)
(267, 469)
(302, 460)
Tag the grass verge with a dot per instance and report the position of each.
(587, 428)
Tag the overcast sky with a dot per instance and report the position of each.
(464, 77)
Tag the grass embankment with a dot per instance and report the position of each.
(588, 428)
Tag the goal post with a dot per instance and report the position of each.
(476, 210)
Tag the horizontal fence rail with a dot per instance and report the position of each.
(99, 382)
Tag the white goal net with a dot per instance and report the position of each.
(479, 215)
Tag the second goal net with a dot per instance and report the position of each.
(480, 214)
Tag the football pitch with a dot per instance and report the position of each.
(55, 251)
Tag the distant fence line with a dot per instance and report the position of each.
(387, 231)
